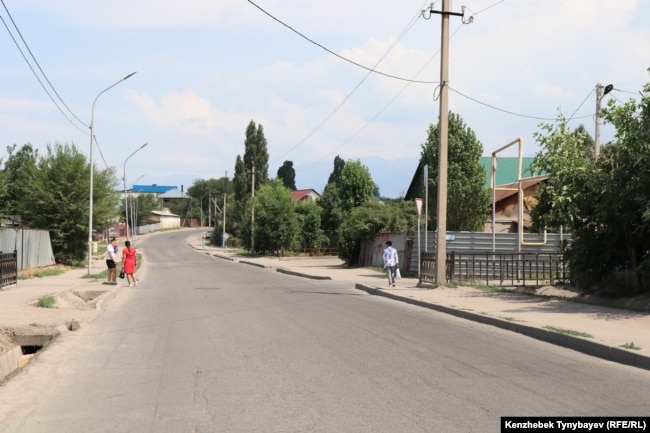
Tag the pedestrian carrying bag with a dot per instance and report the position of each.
(122, 273)
(397, 274)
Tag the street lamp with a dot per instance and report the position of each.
(134, 210)
(126, 205)
(90, 201)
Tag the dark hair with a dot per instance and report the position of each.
(127, 244)
(389, 243)
(113, 239)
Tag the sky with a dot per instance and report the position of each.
(355, 79)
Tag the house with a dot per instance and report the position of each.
(165, 218)
(505, 196)
(305, 194)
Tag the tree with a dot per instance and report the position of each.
(276, 221)
(207, 196)
(567, 161)
(331, 213)
(602, 200)
(19, 169)
(255, 157)
(355, 185)
(467, 198)
(287, 174)
(144, 205)
(57, 200)
(311, 234)
(335, 176)
(372, 217)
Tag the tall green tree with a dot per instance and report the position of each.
(287, 174)
(355, 185)
(567, 161)
(57, 200)
(335, 175)
(331, 213)
(256, 158)
(277, 225)
(467, 198)
(311, 234)
(19, 170)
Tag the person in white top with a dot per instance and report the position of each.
(111, 275)
(391, 262)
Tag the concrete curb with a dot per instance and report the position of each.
(300, 274)
(106, 298)
(582, 345)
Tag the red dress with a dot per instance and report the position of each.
(128, 260)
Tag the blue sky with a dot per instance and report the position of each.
(206, 68)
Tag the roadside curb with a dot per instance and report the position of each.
(582, 345)
(300, 274)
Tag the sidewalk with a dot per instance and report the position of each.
(602, 331)
(597, 330)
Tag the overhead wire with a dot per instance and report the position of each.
(349, 95)
(345, 59)
(40, 69)
(379, 112)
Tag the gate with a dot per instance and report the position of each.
(8, 268)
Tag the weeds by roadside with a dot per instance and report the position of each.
(46, 302)
(630, 346)
(568, 332)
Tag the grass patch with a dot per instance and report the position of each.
(568, 332)
(46, 301)
(509, 318)
(47, 271)
(630, 346)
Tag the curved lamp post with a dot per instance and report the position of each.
(90, 201)
(126, 205)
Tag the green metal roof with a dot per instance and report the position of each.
(506, 169)
(506, 173)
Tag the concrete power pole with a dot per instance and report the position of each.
(253, 211)
(225, 190)
(441, 234)
(600, 92)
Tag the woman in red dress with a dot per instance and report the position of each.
(129, 262)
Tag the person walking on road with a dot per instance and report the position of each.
(129, 261)
(391, 262)
(111, 274)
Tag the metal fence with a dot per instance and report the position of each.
(34, 246)
(498, 268)
(8, 268)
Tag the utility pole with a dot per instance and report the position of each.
(253, 211)
(225, 190)
(441, 233)
(600, 92)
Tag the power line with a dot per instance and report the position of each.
(40, 69)
(372, 70)
(338, 107)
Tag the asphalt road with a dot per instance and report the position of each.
(207, 345)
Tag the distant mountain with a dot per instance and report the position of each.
(393, 177)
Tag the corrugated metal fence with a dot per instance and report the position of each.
(33, 247)
(488, 257)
